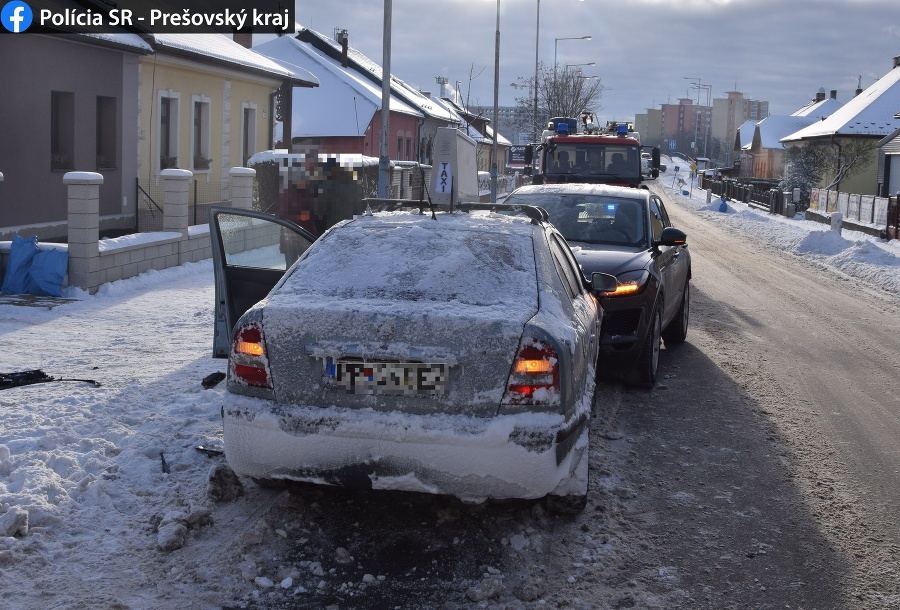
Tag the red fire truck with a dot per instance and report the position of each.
(610, 155)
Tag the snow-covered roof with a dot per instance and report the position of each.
(500, 139)
(465, 118)
(343, 104)
(224, 49)
(121, 40)
(359, 62)
(767, 133)
(819, 109)
(744, 137)
(874, 112)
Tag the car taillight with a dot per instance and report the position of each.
(534, 378)
(248, 361)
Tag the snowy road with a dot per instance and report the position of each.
(761, 473)
(765, 466)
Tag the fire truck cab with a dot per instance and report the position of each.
(600, 156)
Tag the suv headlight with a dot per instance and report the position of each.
(630, 283)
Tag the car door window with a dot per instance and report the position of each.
(562, 257)
(261, 244)
(657, 220)
(663, 214)
(250, 252)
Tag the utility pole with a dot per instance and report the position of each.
(537, 37)
(496, 105)
(384, 160)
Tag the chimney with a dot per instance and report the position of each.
(859, 88)
(820, 94)
(834, 94)
(343, 37)
(897, 62)
(244, 38)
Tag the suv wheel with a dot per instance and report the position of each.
(676, 331)
(644, 373)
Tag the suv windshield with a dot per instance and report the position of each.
(593, 219)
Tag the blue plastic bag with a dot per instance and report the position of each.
(21, 253)
(48, 269)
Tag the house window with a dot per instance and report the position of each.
(200, 126)
(248, 133)
(106, 132)
(408, 149)
(168, 130)
(399, 147)
(62, 130)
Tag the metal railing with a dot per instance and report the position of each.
(201, 195)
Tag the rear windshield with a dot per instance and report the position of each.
(419, 263)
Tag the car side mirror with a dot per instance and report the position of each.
(603, 282)
(672, 237)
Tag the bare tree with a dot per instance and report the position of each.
(808, 165)
(848, 158)
(561, 92)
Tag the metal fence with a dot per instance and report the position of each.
(865, 210)
(201, 195)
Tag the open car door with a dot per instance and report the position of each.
(251, 252)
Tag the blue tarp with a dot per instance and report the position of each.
(30, 270)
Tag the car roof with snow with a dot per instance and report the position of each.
(582, 188)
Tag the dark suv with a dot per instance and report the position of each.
(625, 232)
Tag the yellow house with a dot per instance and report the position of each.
(205, 105)
(857, 126)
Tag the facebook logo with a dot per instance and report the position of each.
(16, 16)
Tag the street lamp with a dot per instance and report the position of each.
(708, 88)
(556, 45)
(590, 63)
(537, 38)
(697, 85)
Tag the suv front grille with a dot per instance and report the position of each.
(623, 322)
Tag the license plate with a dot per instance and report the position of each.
(390, 378)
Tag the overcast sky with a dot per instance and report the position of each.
(780, 51)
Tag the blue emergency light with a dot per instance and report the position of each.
(622, 130)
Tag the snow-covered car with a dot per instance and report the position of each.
(450, 353)
(625, 232)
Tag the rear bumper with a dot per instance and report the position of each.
(509, 456)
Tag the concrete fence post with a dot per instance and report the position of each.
(84, 229)
(836, 221)
(242, 187)
(176, 183)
